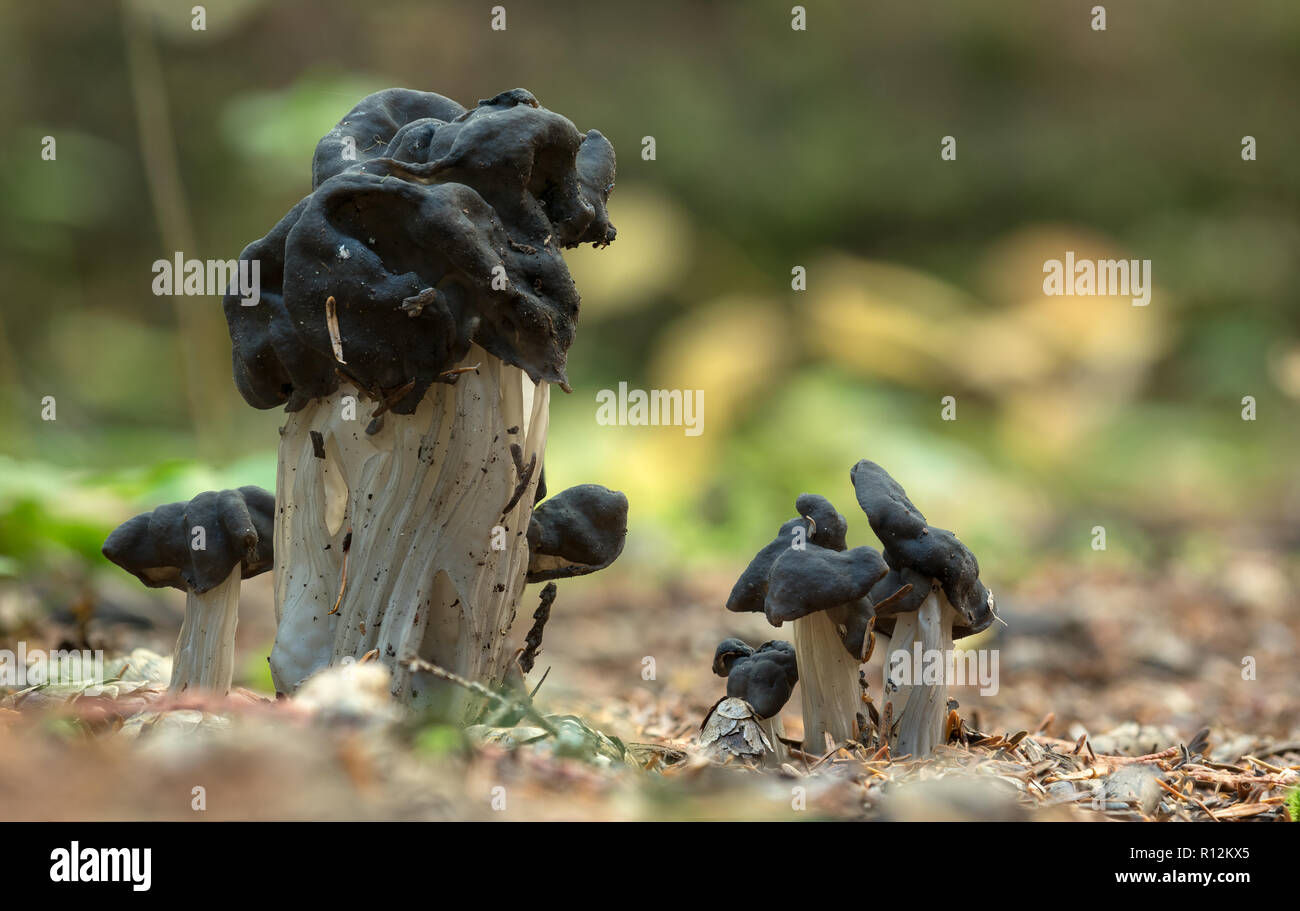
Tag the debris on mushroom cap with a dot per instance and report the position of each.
(829, 527)
(728, 652)
(731, 730)
(765, 678)
(910, 543)
(750, 591)
(813, 578)
(433, 227)
(575, 532)
(158, 547)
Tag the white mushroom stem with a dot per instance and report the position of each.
(205, 650)
(828, 682)
(435, 567)
(916, 671)
(774, 731)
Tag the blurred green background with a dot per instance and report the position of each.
(775, 149)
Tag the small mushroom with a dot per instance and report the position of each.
(825, 593)
(946, 601)
(807, 577)
(764, 678)
(761, 681)
(205, 548)
(576, 532)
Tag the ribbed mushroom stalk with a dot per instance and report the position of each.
(931, 596)
(204, 547)
(204, 658)
(919, 706)
(831, 693)
(422, 525)
(415, 309)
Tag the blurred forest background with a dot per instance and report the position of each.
(775, 149)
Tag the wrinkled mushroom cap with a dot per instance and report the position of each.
(727, 653)
(813, 578)
(575, 532)
(915, 550)
(157, 547)
(764, 678)
(417, 206)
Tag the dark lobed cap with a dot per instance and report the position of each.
(911, 544)
(765, 678)
(575, 532)
(813, 578)
(158, 547)
(417, 207)
(727, 653)
(750, 591)
(829, 527)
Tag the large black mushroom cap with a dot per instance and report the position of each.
(158, 547)
(812, 578)
(750, 591)
(417, 206)
(915, 550)
(575, 532)
(763, 678)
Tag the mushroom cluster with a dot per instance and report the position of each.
(415, 309)
(204, 547)
(413, 312)
(921, 587)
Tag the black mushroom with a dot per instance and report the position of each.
(204, 547)
(764, 678)
(414, 310)
(946, 601)
(578, 531)
(744, 723)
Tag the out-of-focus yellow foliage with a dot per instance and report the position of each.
(1056, 366)
(731, 348)
(883, 320)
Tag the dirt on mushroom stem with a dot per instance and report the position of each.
(438, 553)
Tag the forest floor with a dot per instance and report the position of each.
(1120, 696)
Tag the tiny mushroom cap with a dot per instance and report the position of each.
(814, 578)
(729, 651)
(764, 679)
(236, 528)
(916, 551)
(575, 532)
(429, 228)
(750, 591)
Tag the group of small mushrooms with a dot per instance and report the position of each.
(415, 310)
(921, 589)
